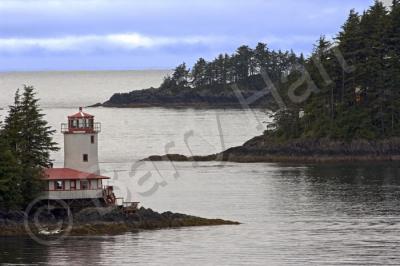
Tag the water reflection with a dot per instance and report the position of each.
(70, 251)
(79, 250)
(366, 173)
(349, 189)
(356, 189)
(22, 250)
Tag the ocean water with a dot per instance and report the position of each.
(79, 88)
(291, 214)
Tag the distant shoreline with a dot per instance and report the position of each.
(263, 150)
(198, 105)
(272, 158)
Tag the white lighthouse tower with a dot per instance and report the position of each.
(81, 142)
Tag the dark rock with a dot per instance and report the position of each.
(95, 105)
(264, 149)
(111, 220)
(169, 157)
(16, 216)
(109, 214)
(3, 215)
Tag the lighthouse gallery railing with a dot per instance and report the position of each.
(67, 129)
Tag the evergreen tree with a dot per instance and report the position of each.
(181, 75)
(228, 69)
(30, 140)
(262, 57)
(220, 69)
(10, 178)
(199, 73)
(13, 124)
(350, 40)
(373, 25)
(392, 64)
(242, 65)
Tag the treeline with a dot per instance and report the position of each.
(353, 82)
(25, 146)
(209, 83)
(236, 68)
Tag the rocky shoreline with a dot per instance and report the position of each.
(103, 221)
(263, 149)
(194, 105)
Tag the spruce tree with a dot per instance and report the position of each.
(181, 75)
(262, 57)
(350, 47)
(393, 67)
(13, 121)
(30, 140)
(10, 178)
(198, 73)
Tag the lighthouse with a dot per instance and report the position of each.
(81, 142)
(79, 183)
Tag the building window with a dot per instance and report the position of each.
(84, 184)
(99, 183)
(72, 184)
(92, 139)
(92, 184)
(59, 185)
(85, 158)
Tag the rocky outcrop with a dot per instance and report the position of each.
(264, 149)
(90, 221)
(111, 220)
(181, 158)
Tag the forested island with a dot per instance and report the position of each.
(342, 103)
(216, 83)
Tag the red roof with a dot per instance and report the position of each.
(69, 174)
(81, 114)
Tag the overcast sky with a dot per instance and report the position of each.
(156, 34)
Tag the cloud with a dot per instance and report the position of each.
(86, 34)
(92, 43)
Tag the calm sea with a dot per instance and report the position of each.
(336, 214)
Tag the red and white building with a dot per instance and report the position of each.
(67, 183)
(80, 179)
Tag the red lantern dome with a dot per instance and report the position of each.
(81, 122)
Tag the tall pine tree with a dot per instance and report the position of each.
(30, 140)
(10, 178)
